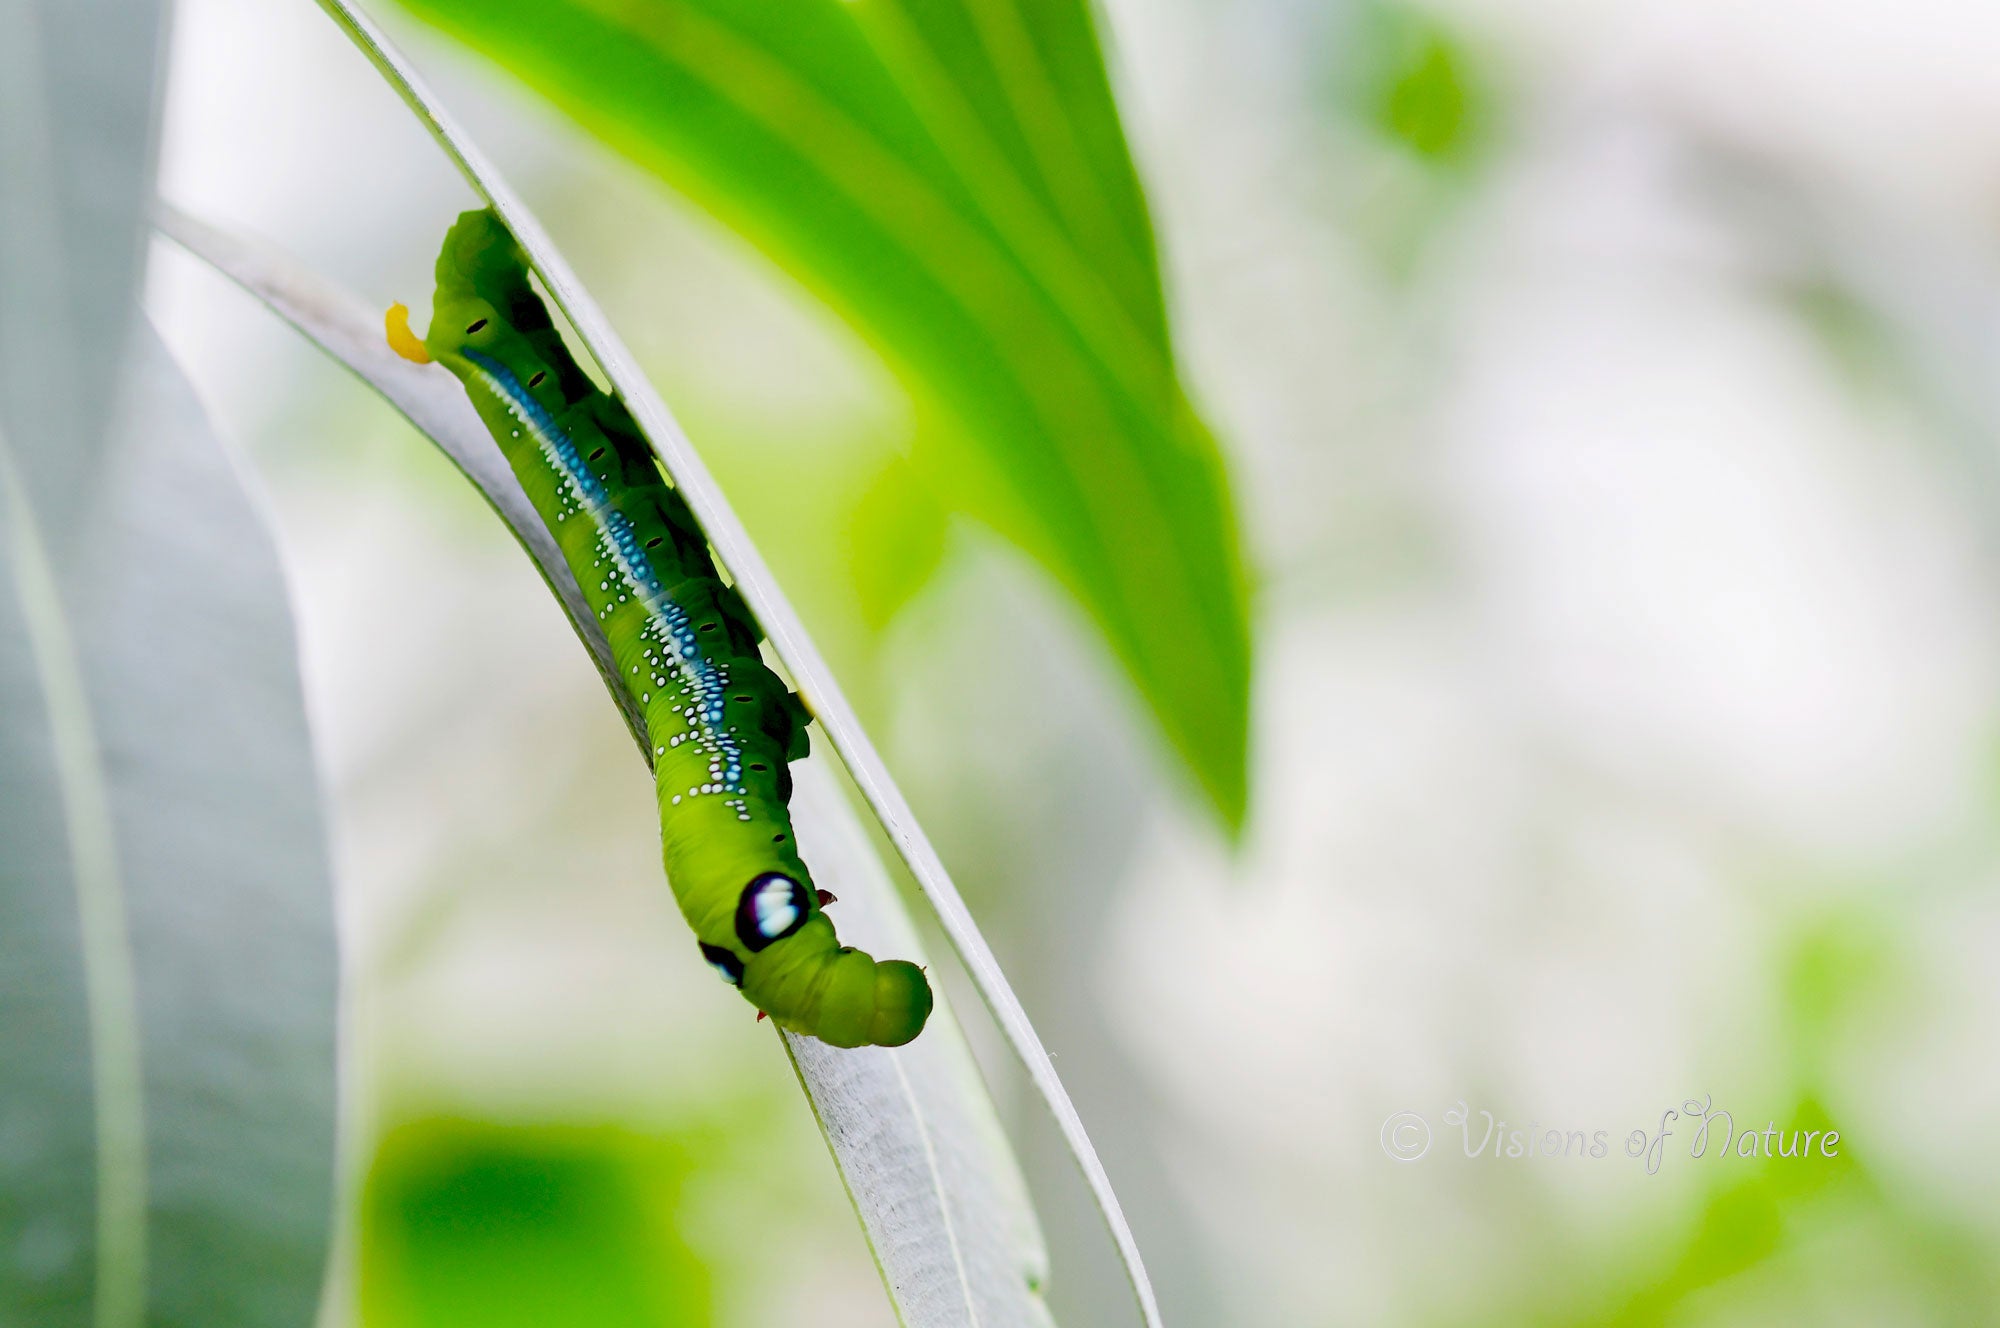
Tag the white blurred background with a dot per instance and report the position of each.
(1617, 447)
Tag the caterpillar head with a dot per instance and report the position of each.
(486, 313)
(482, 261)
(480, 257)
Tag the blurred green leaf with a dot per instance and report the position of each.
(1832, 968)
(896, 541)
(1740, 1226)
(1426, 104)
(1415, 79)
(526, 1227)
(954, 180)
(167, 968)
(1745, 1220)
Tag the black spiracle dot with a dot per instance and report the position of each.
(597, 454)
(757, 765)
(536, 381)
(653, 543)
(477, 324)
(778, 838)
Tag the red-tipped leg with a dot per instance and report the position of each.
(761, 1016)
(827, 897)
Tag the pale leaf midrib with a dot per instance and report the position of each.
(110, 988)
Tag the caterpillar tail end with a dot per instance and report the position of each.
(874, 1004)
(401, 339)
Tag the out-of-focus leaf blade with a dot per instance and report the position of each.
(73, 169)
(915, 1134)
(1017, 94)
(787, 635)
(896, 540)
(526, 1226)
(77, 98)
(71, 1112)
(953, 178)
(166, 931)
(1413, 80)
(167, 966)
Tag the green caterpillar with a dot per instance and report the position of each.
(723, 727)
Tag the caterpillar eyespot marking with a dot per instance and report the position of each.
(628, 537)
(727, 966)
(772, 907)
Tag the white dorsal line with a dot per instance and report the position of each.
(774, 614)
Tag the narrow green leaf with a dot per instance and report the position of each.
(913, 1131)
(952, 177)
(916, 1136)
